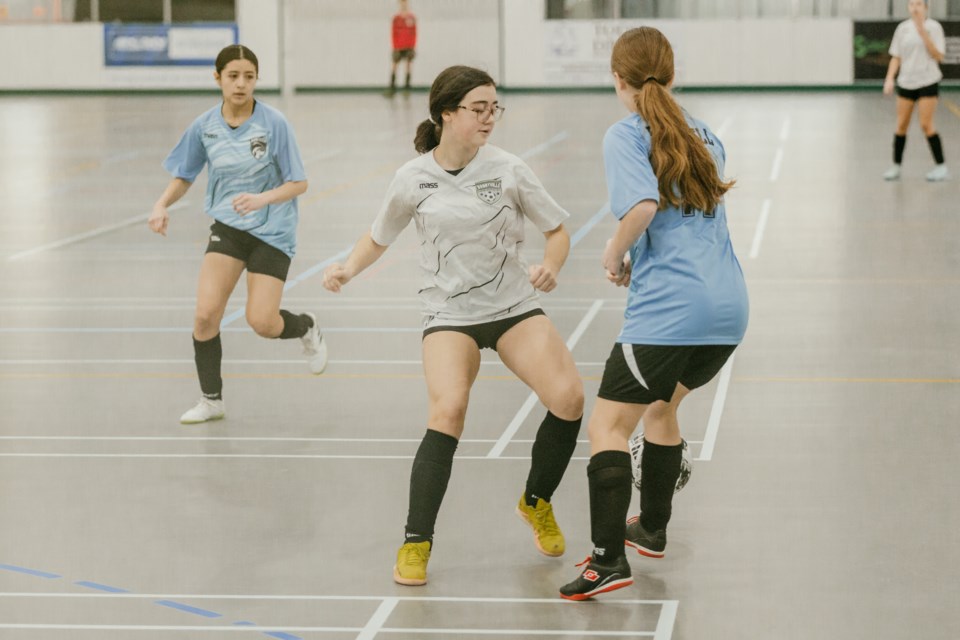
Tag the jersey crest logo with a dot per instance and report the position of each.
(258, 147)
(489, 190)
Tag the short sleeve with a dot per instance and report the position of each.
(535, 203)
(395, 213)
(896, 43)
(188, 158)
(287, 153)
(630, 177)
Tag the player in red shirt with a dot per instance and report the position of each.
(404, 35)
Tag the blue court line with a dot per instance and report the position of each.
(31, 572)
(280, 635)
(320, 266)
(591, 223)
(100, 587)
(188, 609)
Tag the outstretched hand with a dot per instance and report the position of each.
(334, 277)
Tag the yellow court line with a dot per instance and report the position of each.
(848, 380)
(952, 106)
(343, 186)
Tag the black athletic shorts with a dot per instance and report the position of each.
(404, 54)
(642, 373)
(486, 334)
(257, 255)
(929, 91)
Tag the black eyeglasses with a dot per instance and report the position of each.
(485, 115)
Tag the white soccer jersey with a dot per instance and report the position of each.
(917, 68)
(471, 229)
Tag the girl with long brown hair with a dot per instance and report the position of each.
(686, 310)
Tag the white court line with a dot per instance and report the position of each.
(248, 629)
(532, 399)
(540, 148)
(777, 160)
(761, 227)
(716, 411)
(785, 129)
(99, 231)
(280, 456)
(376, 621)
(722, 129)
(311, 598)
(254, 439)
(668, 616)
(295, 362)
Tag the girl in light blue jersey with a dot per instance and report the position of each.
(255, 176)
(686, 310)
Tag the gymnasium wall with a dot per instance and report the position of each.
(333, 44)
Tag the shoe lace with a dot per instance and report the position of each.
(546, 523)
(414, 554)
(585, 561)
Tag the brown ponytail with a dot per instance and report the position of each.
(686, 172)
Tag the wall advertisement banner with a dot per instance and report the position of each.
(165, 44)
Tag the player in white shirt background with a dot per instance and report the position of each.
(469, 201)
(917, 48)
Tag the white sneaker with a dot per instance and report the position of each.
(893, 173)
(938, 173)
(205, 411)
(315, 347)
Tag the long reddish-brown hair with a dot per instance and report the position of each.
(686, 172)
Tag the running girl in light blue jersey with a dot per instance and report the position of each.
(686, 311)
(255, 176)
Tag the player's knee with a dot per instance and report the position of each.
(205, 321)
(448, 413)
(263, 326)
(567, 400)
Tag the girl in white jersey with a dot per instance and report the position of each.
(686, 310)
(917, 48)
(255, 176)
(469, 201)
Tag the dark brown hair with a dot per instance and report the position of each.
(686, 172)
(235, 52)
(446, 92)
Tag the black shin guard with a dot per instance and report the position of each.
(428, 483)
(899, 142)
(294, 325)
(556, 439)
(610, 480)
(660, 469)
(207, 355)
(936, 148)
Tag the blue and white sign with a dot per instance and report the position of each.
(165, 44)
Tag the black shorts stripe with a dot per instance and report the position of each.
(642, 374)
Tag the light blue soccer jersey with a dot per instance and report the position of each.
(687, 287)
(259, 155)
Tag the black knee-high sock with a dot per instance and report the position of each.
(660, 469)
(936, 148)
(294, 325)
(208, 354)
(609, 475)
(393, 80)
(407, 82)
(556, 439)
(899, 142)
(428, 483)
